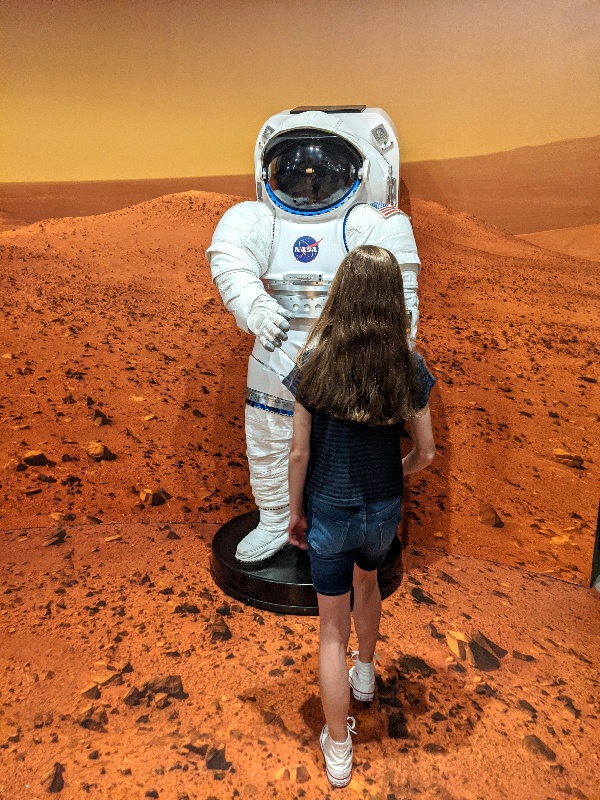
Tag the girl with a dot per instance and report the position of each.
(354, 389)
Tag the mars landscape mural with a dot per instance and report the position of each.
(126, 672)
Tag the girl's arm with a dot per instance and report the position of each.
(297, 466)
(423, 451)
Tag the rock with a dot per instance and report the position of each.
(489, 516)
(53, 781)
(133, 696)
(569, 705)
(396, 725)
(116, 537)
(186, 608)
(91, 692)
(431, 747)
(93, 718)
(487, 644)
(161, 700)
(418, 595)
(476, 649)
(433, 631)
(485, 689)
(481, 658)
(100, 418)
(443, 576)
(302, 774)
(152, 793)
(522, 656)
(532, 744)
(220, 631)
(42, 719)
(99, 452)
(408, 664)
(568, 459)
(107, 677)
(154, 498)
(35, 458)
(9, 734)
(217, 760)
(197, 746)
(170, 685)
(457, 643)
(173, 535)
(55, 538)
(525, 706)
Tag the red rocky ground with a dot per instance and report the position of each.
(125, 666)
(113, 333)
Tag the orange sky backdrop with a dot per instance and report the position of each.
(112, 89)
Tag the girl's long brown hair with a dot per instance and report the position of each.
(360, 367)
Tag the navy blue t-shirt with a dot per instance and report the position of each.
(352, 463)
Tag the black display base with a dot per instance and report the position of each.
(282, 584)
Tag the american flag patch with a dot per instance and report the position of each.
(384, 209)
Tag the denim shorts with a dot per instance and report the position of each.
(340, 537)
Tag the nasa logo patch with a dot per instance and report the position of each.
(306, 249)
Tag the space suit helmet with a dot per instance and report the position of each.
(310, 171)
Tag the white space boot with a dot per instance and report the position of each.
(269, 536)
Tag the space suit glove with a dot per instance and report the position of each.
(269, 321)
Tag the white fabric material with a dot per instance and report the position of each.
(328, 233)
(239, 255)
(365, 225)
(268, 439)
(269, 536)
(241, 251)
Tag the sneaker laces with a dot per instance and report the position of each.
(361, 664)
(351, 725)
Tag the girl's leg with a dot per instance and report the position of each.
(334, 619)
(367, 612)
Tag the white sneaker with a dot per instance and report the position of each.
(338, 756)
(362, 679)
(269, 536)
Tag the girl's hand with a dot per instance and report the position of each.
(297, 531)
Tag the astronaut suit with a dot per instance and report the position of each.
(326, 182)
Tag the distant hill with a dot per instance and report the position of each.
(530, 189)
(34, 202)
(581, 242)
(526, 190)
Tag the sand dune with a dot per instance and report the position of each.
(580, 242)
(114, 333)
